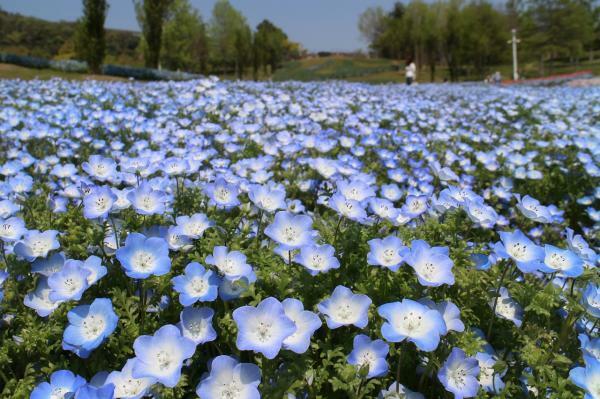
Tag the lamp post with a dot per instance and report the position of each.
(514, 42)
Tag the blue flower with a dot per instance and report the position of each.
(268, 198)
(39, 299)
(147, 201)
(347, 207)
(36, 244)
(588, 377)
(233, 289)
(63, 384)
(229, 378)
(161, 355)
(222, 194)
(521, 249)
(481, 213)
(507, 308)
(12, 229)
(197, 284)
(263, 328)
(196, 324)
(231, 264)
(100, 168)
(412, 321)
(345, 308)
(590, 347)
(591, 299)
(432, 265)
(580, 246)
(142, 257)
(387, 252)
(89, 391)
(98, 203)
(89, 326)
(562, 261)
(459, 374)
(399, 391)
(290, 231)
(489, 378)
(532, 209)
(450, 313)
(306, 323)
(370, 354)
(69, 282)
(415, 206)
(194, 226)
(127, 386)
(317, 258)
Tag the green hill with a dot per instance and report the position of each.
(338, 67)
(36, 37)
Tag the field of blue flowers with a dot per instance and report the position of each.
(334, 240)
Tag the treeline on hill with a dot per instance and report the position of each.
(35, 37)
(470, 38)
(173, 36)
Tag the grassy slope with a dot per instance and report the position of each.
(8, 71)
(336, 67)
(383, 71)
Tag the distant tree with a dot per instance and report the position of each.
(270, 46)
(371, 23)
(229, 40)
(553, 29)
(91, 42)
(152, 15)
(184, 39)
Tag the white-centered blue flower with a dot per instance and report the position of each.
(521, 249)
(89, 326)
(432, 265)
(142, 257)
(317, 258)
(507, 308)
(196, 324)
(459, 374)
(161, 355)
(344, 308)
(563, 262)
(412, 321)
(126, 385)
(36, 244)
(263, 328)
(228, 378)
(196, 285)
(369, 354)
(290, 231)
(306, 323)
(69, 282)
(231, 264)
(388, 252)
(63, 384)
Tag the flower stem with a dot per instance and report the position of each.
(496, 296)
(398, 368)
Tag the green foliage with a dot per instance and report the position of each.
(185, 44)
(152, 15)
(91, 40)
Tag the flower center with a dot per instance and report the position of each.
(264, 331)
(164, 360)
(93, 326)
(198, 286)
(143, 260)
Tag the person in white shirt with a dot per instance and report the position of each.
(410, 71)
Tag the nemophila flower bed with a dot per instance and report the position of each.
(330, 240)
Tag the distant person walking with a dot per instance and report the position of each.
(410, 71)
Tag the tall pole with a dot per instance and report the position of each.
(514, 42)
